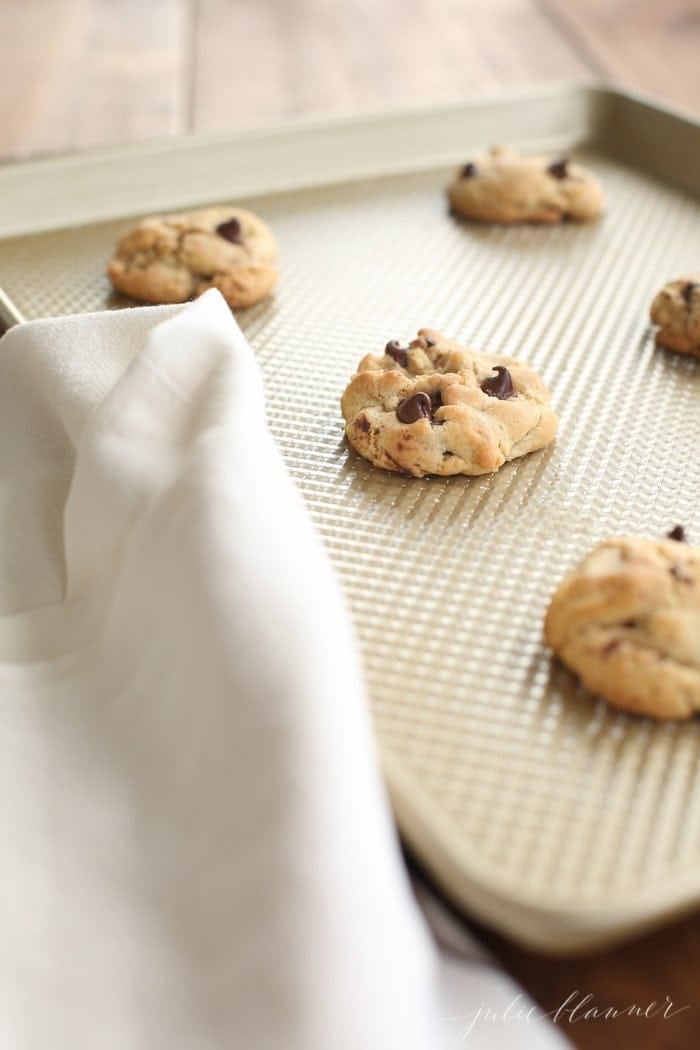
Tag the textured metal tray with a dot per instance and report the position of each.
(536, 807)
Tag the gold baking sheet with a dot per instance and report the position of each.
(535, 806)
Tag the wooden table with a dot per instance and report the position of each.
(79, 73)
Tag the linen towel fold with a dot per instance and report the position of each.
(197, 848)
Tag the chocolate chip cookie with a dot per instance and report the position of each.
(504, 187)
(627, 621)
(436, 407)
(676, 309)
(173, 258)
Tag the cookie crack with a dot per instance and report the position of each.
(525, 436)
(637, 643)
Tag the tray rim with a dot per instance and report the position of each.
(585, 113)
(310, 151)
(554, 929)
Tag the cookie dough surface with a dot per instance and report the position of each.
(627, 621)
(436, 407)
(676, 309)
(173, 258)
(504, 187)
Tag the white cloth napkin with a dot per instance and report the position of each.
(196, 848)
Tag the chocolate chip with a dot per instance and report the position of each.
(677, 533)
(630, 623)
(417, 406)
(435, 404)
(363, 424)
(500, 385)
(689, 291)
(468, 171)
(559, 169)
(399, 354)
(231, 231)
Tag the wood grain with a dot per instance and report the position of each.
(652, 45)
(268, 58)
(78, 73)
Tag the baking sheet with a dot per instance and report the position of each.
(536, 807)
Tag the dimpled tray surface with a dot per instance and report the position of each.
(534, 805)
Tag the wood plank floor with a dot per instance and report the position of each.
(80, 73)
